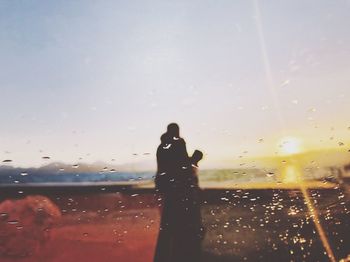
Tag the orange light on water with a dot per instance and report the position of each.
(291, 174)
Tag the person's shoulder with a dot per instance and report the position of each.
(181, 141)
(160, 149)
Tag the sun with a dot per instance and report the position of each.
(290, 146)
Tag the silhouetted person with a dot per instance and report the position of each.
(181, 229)
(189, 231)
(164, 186)
(162, 179)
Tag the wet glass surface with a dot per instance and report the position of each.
(241, 225)
(260, 90)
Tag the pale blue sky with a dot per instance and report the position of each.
(105, 77)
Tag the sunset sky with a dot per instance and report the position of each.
(86, 81)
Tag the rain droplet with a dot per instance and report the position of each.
(285, 83)
(12, 222)
(167, 146)
(3, 216)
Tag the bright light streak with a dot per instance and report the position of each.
(267, 65)
(314, 215)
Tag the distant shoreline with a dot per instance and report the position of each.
(22, 190)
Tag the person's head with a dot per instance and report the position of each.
(173, 130)
(196, 157)
(164, 138)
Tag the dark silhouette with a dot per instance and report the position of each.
(181, 229)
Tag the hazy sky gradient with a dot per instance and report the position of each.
(101, 79)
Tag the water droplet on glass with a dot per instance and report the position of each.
(312, 110)
(270, 174)
(3, 216)
(285, 83)
(167, 146)
(12, 222)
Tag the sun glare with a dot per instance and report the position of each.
(290, 146)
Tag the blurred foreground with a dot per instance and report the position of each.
(121, 224)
